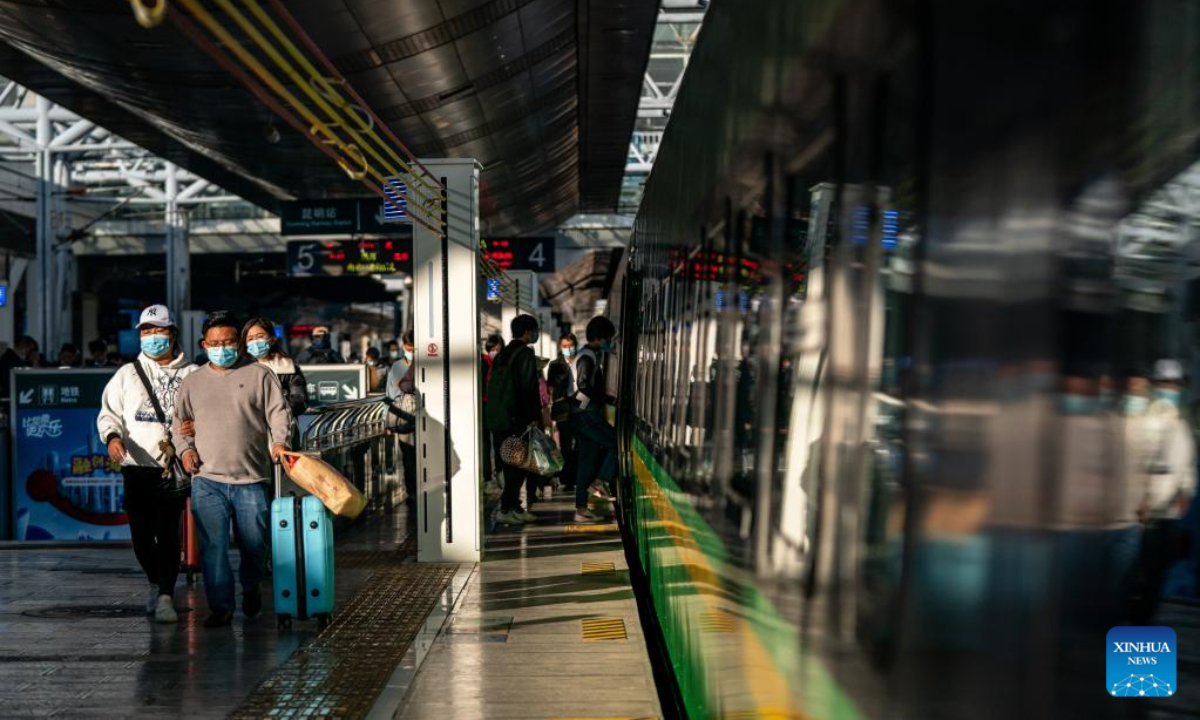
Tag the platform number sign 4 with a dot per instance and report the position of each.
(538, 256)
(532, 253)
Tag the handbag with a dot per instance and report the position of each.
(175, 478)
(321, 479)
(543, 458)
(514, 450)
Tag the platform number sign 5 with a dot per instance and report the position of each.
(305, 257)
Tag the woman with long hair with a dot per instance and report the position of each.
(260, 343)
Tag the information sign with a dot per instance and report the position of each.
(308, 258)
(65, 487)
(531, 253)
(344, 216)
(329, 384)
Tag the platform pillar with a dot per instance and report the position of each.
(446, 329)
(179, 264)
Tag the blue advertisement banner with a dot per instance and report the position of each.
(64, 486)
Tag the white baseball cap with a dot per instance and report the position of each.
(1168, 371)
(158, 316)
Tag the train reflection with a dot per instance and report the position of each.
(907, 328)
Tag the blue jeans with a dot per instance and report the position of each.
(214, 504)
(596, 444)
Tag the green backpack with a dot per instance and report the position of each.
(501, 396)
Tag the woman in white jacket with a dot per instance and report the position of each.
(130, 426)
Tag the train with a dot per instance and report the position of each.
(878, 240)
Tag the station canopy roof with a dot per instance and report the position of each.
(543, 93)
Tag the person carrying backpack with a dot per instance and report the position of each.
(514, 404)
(596, 439)
(321, 351)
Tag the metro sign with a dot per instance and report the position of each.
(395, 208)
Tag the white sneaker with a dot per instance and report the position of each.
(510, 518)
(152, 600)
(164, 610)
(600, 490)
(527, 516)
(585, 516)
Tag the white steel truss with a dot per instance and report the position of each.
(69, 174)
(674, 37)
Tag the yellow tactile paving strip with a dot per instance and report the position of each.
(595, 629)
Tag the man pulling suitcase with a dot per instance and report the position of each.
(237, 411)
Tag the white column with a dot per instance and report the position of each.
(446, 329)
(41, 285)
(179, 265)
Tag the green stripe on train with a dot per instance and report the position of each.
(674, 586)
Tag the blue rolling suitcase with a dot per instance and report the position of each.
(302, 558)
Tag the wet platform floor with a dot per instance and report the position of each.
(75, 641)
(546, 626)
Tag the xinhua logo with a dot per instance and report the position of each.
(1141, 662)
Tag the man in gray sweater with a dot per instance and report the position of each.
(239, 422)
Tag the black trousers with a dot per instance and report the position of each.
(1161, 543)
(154, 517)
(510, 499)
(566, 439)
(408, 459)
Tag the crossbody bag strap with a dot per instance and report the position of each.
(141, 373)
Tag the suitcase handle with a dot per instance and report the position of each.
(278, 471)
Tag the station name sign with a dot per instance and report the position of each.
(334, 258)
(344, 216)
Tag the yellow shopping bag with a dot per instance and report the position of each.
(320, 479)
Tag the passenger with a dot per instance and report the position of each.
(596, 439)
(491, 348)
(68, 356)
(321, 351)
(262, 344)
(513, 393)
(535, 484)
(377, 368)
(239, 411)
(401, 380)
(1092, 512)
(393, 352)
(1170, 483)
(561, 378)
(137, 437)
(98, 349)
(19, 355)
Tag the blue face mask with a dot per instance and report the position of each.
(222, 357)
(1134, 404)
(408, 357)
(1079, 404)
(258, 348)
(156, 346)
(1172, 396)
(534, 338)
(606, 346)
(569, 352)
